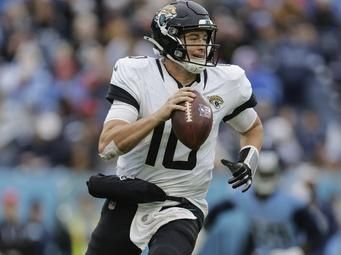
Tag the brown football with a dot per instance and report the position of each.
(193, 126)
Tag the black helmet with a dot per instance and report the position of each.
(175, 19)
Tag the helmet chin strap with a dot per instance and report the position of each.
(190, 67)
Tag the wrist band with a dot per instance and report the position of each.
(110, 151)
(249, 155)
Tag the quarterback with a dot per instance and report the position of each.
(143, 93)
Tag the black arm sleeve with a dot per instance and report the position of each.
(117, 93)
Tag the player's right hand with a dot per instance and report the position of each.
(174, 103)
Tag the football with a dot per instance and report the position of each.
(193, 126)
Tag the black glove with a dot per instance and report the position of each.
(242, 174)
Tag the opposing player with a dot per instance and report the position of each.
(144, 92)
(271, 221)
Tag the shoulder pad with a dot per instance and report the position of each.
(231, 72)
(136, 62)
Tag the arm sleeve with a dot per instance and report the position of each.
(244, 120)
(122, 111)
(124, 85)
(246, 98)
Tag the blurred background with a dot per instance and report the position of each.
(56, 58)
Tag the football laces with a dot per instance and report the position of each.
(188, 106)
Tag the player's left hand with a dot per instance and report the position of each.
(242, 174)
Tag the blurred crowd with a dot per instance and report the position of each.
(56, 59)
(46, 213)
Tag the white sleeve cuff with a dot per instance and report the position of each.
(110, 151)
(244, 120)
(249, 155)
(122, 111)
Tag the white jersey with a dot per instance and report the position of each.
(160, 158)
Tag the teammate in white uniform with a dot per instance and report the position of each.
(144, 92)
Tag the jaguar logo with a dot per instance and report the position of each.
(166, 13)
(216, 101)
(168, 10)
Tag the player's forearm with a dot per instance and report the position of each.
(126, 135)
(254, 136)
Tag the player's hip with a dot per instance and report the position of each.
(119, 230)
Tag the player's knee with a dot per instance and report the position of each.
(163, 250)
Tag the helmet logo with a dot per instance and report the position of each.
(178, 53)
(165, 14)
(205, 22)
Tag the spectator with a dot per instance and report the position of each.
(35, 232)
(11, 229)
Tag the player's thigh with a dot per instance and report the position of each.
(175, 238)
(111, 235)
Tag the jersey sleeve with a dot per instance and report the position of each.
(246, 98)
(124, 85)
(121, 111)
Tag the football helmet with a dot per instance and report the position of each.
(267, 175)
(169, 26)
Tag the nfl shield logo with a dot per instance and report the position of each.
(204, 111)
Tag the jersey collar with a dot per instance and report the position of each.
(198, 78)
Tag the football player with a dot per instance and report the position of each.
(271, 221)
(144, 91)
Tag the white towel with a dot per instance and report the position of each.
(148, 219)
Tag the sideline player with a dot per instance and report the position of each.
(271, 220)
